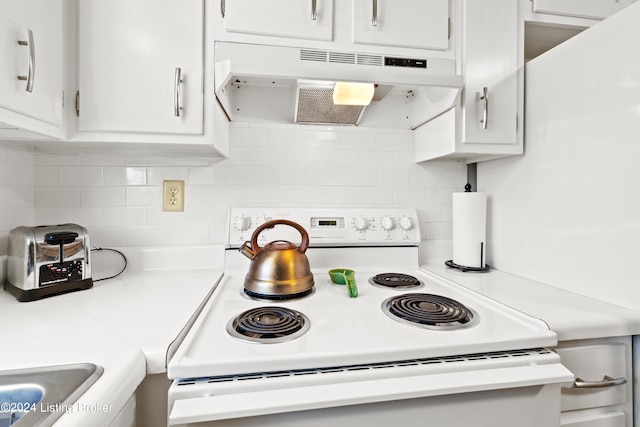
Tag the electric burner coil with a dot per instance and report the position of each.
(429, 311)
(269, 324)
(395, 281)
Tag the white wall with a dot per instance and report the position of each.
(16, 190)
(119, 199)
(568, 212)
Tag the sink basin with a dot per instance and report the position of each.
(39, 396)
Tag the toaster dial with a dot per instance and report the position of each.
(68, 271)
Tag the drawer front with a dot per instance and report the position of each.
(591, 364)
(611, 419)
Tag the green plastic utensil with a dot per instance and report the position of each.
(343, 276)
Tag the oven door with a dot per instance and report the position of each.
(481, 390)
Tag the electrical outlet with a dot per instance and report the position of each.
(173, 196)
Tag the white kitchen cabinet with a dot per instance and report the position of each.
(484, 123)
(142, 69)
(406, 28)
(301, 19)
(405, 23)
(32, 66)
(140, 66)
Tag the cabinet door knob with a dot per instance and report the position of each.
(32, 61)
(177, 92)
(314, 10)
(606, 381)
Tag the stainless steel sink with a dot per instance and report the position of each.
(39, 396)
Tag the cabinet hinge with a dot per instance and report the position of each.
(62, 98)
(77, 103)
(449, 29)
(517, 123)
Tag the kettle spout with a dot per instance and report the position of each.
(247, 250)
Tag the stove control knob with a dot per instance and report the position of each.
(242, 223)
(406, 223)
(361, 223)
(388, 223)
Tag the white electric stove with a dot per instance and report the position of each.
(411, 343)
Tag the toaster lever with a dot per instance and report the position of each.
(60, 238)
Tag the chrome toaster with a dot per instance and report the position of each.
(48, 260)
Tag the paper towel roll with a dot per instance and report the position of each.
(469, 229)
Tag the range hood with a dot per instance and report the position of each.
(278, 84)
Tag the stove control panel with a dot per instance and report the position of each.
(328, 227)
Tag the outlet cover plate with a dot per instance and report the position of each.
(173, 196)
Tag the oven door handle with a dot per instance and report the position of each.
(265, 402)
(606, 381)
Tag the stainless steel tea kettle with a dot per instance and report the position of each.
(280, 268)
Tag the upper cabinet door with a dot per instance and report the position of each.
(32, 58)
(405, 23)
(490, 66)
(141, 66)
(304, 19)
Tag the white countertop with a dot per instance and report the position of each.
(124, 324)
(570, 315)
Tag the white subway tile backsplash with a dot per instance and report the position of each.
(323, 139)
(45, 216)
(375, 196)
(287, 137)
(146, 236)
(114, 176)
(304, 194)
(7, 173)
(435, 230)
(156, 216)
(80, 176)
(45, 176)
(202, 175)
(87, 216)
(103, 196)
(439, 195)
(107, 236)
(403, 196)
(431, 214)
(144, 196)
(8, 219)
(376, 159)
(392, 142)
(340, 195)
(425, 177)
(249, 136)
(157, 174)
(120, 198)
(56, 196)
(393, 177)
(125, 215)
(65, 160)
(267, 194)
(454, 178)
(228, 195)
(136, 175)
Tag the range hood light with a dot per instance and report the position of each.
(348, 93)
